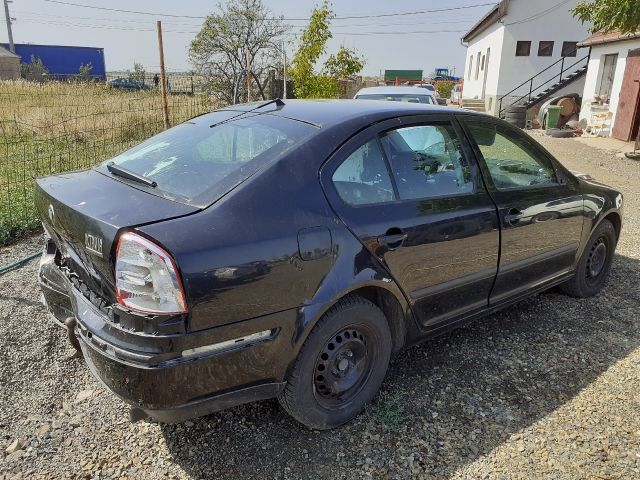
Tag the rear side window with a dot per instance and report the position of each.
(362, 178)
(427, 162)
(197, 161)
(511, 158)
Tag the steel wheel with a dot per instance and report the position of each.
(342, 368)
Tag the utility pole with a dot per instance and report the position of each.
(7, 17)
(163, 79)
(284, 71)
(248, 77)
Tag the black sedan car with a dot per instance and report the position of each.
(288, 249)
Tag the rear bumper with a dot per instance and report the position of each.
(175, 377)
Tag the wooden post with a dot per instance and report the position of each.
(248, 70)
(163, 79)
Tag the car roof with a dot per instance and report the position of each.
(392, 89)
(326, 113)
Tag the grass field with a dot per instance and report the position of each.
(54, 127)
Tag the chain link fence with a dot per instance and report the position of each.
(54, 126)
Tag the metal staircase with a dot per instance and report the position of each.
(540, 86)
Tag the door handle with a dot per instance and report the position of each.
(392, 240)
(513, 215)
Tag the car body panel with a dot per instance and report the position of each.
(277, 251)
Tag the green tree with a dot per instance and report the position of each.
(243, 35)
(309, 83)
(444, 88)
(34, 70)
(85, 70)
(139, 73)
(608, 15)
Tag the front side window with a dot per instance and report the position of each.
(427, 162)
(523, 48)
(512, 159)
(363, 178)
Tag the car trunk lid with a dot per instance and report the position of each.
(84, 212)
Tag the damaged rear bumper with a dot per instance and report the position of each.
(175, 377)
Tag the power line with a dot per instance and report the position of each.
(170, 15)
(133, 29)
(39, 16)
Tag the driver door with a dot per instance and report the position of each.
(540, 209)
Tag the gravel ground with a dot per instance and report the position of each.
(549, 388)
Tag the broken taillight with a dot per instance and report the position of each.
(147, 278)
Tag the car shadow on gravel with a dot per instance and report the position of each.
(443, 404)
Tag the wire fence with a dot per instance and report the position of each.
(55, 126)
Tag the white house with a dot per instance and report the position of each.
(514, 43)
(611, 98)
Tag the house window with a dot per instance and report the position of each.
(569, 49)
(523, 48)
(470, 67)
(545, 48)
(608, 72)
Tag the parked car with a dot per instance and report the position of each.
(286, 250)
(397, 94)
(429, 87)
(127, 84)
(456, 94)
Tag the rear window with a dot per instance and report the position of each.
(198, 161)
(397, 97)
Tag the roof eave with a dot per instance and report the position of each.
(591, 42)
(490, 18)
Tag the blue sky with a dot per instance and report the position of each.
(128, 37)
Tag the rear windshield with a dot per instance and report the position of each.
(397, 97)
(198, 161)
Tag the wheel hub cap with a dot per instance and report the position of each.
(342, 366)
(597, 258)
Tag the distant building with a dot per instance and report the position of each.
(9, 65)
(62, 60)
(399, 77)
(517, 49)
(611, 98)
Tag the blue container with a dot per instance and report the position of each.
(64, 60)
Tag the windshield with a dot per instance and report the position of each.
(199, 160)
(398, 97)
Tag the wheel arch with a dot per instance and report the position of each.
(383, 293)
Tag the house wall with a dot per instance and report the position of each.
(525, 21)
(489, 39)
(594, 73)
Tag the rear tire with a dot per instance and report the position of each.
(340, 366)
(595, 262)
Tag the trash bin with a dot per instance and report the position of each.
(553, 115)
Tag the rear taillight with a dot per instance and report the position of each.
(147, 278)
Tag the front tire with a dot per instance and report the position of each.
(341, 365)
(595, 262)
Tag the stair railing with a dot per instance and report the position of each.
(563, 69)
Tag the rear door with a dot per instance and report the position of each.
(411, 191)
(541, 212)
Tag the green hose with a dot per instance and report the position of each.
(19, 263)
